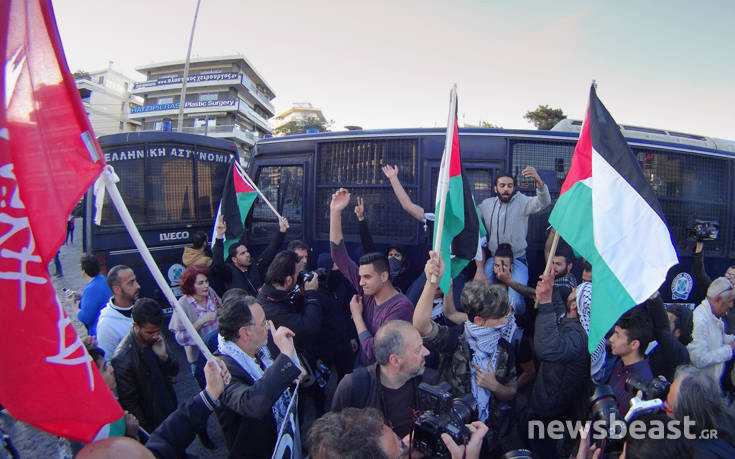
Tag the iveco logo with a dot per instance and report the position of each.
(173, 236)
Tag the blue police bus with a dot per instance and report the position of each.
(172, 184)
(692, 176)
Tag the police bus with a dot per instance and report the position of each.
(692, 176)
(172, 184)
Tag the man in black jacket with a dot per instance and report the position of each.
(275, 296)
(144, 369)
(255, 403)
(669, 352)
(561, 347)
(239, 271)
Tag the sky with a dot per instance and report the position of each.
(391, 64)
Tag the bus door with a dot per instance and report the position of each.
(282, 181)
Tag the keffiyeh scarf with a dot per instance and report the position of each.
(484, 344)
(251, 367)
(584, 302)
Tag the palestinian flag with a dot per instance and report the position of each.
(608, 212)
(461, 226)
(238, 197)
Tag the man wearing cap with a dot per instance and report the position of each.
(711, 348)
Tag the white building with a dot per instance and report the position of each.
(225, 97)
(299, 111)
(107, 98)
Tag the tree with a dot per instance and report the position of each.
(299, 126)
(81, 75)
(545, 117)
(485, 124)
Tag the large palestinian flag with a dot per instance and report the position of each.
(608, 212)
(238, 196)
(461, 226)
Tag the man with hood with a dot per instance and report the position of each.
(506, 219)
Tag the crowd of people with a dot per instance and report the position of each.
(366, 340)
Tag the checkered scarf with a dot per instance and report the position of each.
(584, 302)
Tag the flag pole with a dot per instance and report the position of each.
(552, 252)
(252, 184)
(444, 178)
(108, 177)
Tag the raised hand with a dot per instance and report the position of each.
(283, 338)
(390, 171)
(221, 227)
(530, 172)
(282, 224)
(360, 209)
(340, 200)
(434, 268)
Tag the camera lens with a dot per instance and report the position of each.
(464, 409)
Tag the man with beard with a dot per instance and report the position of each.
(506, 219)
(391, 384)
(144, 369)
(115, 320)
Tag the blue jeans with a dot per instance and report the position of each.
(520, 275)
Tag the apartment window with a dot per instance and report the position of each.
(165, 100)
(205, 97)
(122, 126)
(101, 80)
(126, 86)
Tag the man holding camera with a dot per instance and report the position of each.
(275, 296)
(477, 357)
(390, 384)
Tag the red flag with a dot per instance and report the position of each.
(48, 159)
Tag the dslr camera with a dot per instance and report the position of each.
(440, 413)
(306, 275)
(704, 230)
(656, 388)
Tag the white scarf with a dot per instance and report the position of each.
(251, 367)
(484, 344)
(584, 308)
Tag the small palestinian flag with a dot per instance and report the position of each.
(238, 196)
(608, 212)
(461, 226)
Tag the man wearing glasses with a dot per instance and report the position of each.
(711, 348)
(255, 403)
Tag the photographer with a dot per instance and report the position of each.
(669, 352)
(275, 298)
(476, 358)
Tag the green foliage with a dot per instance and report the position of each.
(545, 117)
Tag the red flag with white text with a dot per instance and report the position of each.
(48, 159)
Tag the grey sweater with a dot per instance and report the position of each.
(508, 222)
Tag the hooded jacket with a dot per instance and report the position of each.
(111, 329)
(508, 222)
(194, 256)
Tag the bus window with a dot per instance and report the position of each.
(357, 166)
(284, 188)
(132, 188)
(173, 182)
(210, 179)
(688, 187)
(552, 156)
(481, 180)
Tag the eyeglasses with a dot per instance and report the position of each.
(266, 323)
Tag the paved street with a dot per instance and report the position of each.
(32, 443)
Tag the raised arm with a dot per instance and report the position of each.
(366, 239)
(413, 209)
(218, 251)
(425, 304)
(340, 200)
(701, 279)
(450, 310)
(542, 198)
(271, 250)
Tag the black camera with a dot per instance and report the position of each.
(655, 388)
(322, 375)
(306, 276)
(604, 409)
(704, 230)
(441, 413)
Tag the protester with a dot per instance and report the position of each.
(361, 433)
(391, 384)
(255, 403)
(695, 397)
(377, 301)
(667, 352)
(629, 341)
(301, 249)
(337, 339)
(115, 318)
(239, 271)
(506, 219)
(598, 358)
(478, 357)
(562, 263)
(95, 295)
(275, 298)
(503, 266)
(176, 433)
(199, 253)
(561, 348)
(144, 369)
(711, 348)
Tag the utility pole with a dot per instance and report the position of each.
(182, 99)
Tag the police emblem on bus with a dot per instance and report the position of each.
(681, 286)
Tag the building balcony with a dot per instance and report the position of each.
(225, 131)
(204, 80)
(253, 115)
